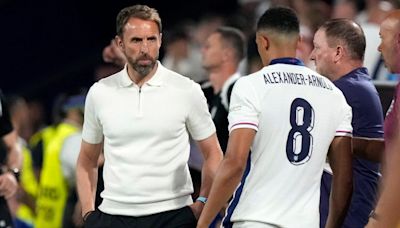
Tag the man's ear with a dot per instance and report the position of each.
(264, 41)
(119, 42)
(339, 53)
(299, 41)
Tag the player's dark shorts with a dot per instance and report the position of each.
(5, 216)
(180, 218)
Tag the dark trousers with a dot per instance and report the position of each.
(180, 218)
(5, 216)
(326, 181)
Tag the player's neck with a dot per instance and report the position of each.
(281, 52)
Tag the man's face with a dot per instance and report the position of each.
(212, 52)
(140, 43)
(388, 46)
(322, 54)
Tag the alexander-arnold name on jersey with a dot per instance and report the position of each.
(296, 79)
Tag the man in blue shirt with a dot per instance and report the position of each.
(339, 46)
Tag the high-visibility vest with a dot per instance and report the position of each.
(29, 184)
(53, 189)
(44, 136)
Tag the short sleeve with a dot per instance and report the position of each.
(345, 128)
(244, 109)
(92, 131)
(199, 122)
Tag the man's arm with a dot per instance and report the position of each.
(86, 175)
(386, 213)
(370, 149)
(8, 182)
(340, 160)
(229, 174)
(212, 154)
(14, 156)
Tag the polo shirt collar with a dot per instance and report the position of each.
(156, 80)
(229, 82)
(125, 80)
(224, 91)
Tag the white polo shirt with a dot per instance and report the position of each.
(146, 139)
(296, 113)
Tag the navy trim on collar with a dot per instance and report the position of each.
(357, 71)
(292, 61)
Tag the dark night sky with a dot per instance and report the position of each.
(52, 46)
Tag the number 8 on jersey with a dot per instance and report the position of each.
(299, 141)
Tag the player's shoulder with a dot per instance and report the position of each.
(250, 78)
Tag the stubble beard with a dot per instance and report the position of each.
(142, 70)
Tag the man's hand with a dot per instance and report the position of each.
(113, 54)
(8, 185)
(197, 207)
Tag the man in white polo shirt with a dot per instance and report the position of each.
(142, 117)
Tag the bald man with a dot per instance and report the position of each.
(290, 117)
(387, 211)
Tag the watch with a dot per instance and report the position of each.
(202, 199)
(15, 172)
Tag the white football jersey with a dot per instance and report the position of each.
(296, 113)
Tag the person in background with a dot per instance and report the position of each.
(339, 47)
(146, 177)
(370, 17)
(23, 204)
(112, 54)
(386, 213)
(221, 55)
(283, 121)
(68, 157)
(53, 188)
(10, 162)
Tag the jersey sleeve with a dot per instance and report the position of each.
(92, 131)
(345, 128)
(243, 109)
(199, 122)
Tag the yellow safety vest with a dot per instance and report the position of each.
(30, 185)
(53, 189)
(43, 135)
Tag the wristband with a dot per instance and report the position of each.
(202, 199)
